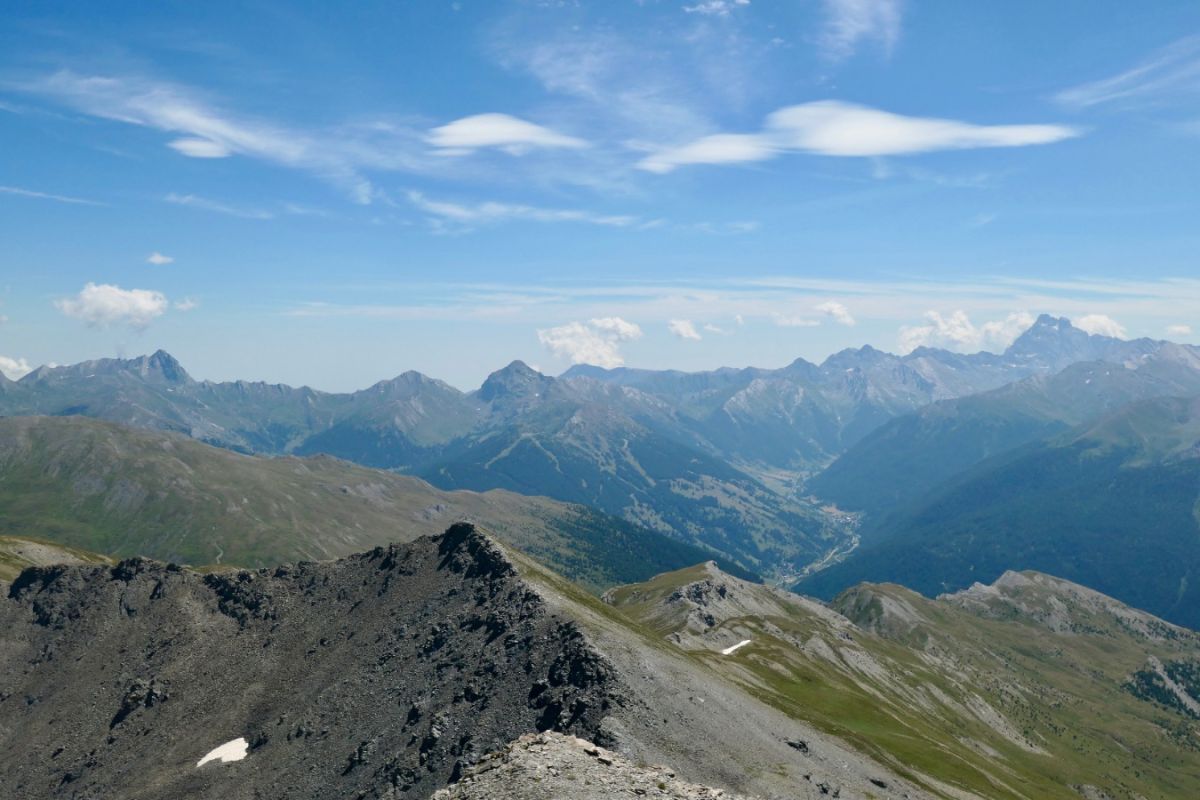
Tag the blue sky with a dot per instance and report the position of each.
(330, 194)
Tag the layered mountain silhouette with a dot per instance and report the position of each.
(717, 459)
(1111, 503)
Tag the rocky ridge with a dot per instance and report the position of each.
(551, 766)
(381, 675)
(384, 675)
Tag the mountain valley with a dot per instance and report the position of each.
(732, 461)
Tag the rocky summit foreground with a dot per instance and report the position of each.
(379, 675)
(550, 766)
(389, 674)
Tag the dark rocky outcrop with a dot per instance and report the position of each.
(382, 675)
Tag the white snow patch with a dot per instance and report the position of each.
(734, 648)
(228, 752)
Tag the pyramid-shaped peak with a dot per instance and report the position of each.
(163, 366)
(518, 379)
(407, 383)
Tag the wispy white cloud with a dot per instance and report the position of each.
(501, 131)
(684, 329)
(158, 259)
(204, 204)
(204, 129)
(1165, 74)
(597, 341)
(792, 321)
(883, 169)
(1179, 330)
(837, 311)
(848, 23)
(834, 128)
(100, 305)
(956, 331)
(624, 89)
(720, 148)
(735, 228)
(715, 8)
(186, 304)
(58, 198)
(1101, 325)
(448, 216)
(490, 212)
(14, 368)
(200, 148)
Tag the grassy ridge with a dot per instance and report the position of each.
(119, 491)
(1021, 692)
(16, 554)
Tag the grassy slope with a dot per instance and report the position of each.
(122, 492)
(904, 695)
(17, 554)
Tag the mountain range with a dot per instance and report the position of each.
(913, 453)
(716, 459)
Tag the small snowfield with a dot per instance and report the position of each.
(227, 753)
(733, 648)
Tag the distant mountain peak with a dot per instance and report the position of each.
(1058, 604)
(405, 383)
(163, 365)
(158, 367)
(1047, 327)
(853, 357)
(518, 379)
(1055, 342)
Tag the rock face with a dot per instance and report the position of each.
(551, 766)
(381, 675)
